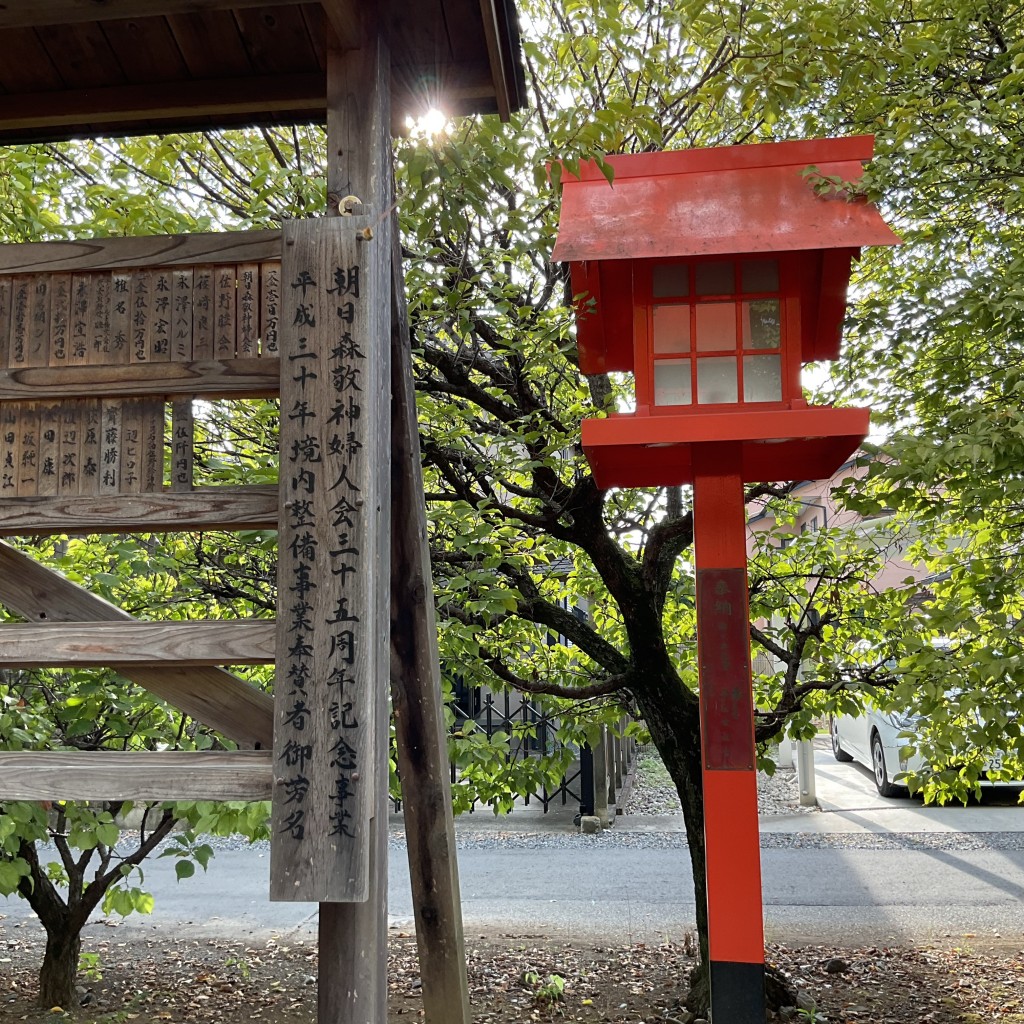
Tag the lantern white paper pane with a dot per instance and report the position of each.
(670, 280)
(716, 381)
(762, 379)
(762, 323)
(715, 279)
(672, 329)
(716, 326)
(760, 276)
(672, 382)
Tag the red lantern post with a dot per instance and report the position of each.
(713, 276)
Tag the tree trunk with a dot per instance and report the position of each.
(60, 967)
(672, 715)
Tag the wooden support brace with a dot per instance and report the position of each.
(420, 732)
(210, 695)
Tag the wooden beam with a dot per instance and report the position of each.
(210, 695)
(420, 731)
(145, 251)
(344, 19)
(135, 775)
(38, 13)
(112, 644)
(499, 73)
(158, 102)
(252, 377)
(209, 508)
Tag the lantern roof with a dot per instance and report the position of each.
(730, 199)
(83, 68)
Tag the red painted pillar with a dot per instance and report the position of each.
(735, 922)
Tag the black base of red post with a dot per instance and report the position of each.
(738, 992)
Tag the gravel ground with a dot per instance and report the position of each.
(769, 841)
(187, 982)
(654, 793)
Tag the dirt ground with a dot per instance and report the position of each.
(512, 979)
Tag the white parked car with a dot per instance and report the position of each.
(873, 738)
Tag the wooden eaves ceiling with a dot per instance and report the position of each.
(82, 68)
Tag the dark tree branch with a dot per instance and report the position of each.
(600, 688)
(535, 608)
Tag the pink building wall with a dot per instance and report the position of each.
(820, 510)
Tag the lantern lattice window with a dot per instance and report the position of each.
(714, 334)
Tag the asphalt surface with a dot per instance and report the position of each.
(862, 870)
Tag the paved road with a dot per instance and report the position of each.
(863, 870)
(632, 894)
(847, 795)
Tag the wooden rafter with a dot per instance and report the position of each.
(255, 96)
(500, 73)
(32, 13)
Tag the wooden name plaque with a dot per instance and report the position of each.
(95, 336)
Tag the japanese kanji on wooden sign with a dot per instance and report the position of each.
(331, 662)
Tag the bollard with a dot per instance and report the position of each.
(785, 755)
(805, 773)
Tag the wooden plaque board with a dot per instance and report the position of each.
(332, 658)
(86, 323)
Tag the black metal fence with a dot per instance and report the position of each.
(533, 733)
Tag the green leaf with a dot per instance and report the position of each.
(184, 869)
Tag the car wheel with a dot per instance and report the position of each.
(837, 750)
(885, 787)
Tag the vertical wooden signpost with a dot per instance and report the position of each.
(330, 735)
(330, 655)
(98, 338)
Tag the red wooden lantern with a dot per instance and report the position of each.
(713, 276)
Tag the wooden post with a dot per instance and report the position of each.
(353, 935)
(420, 731)
(613, 770)
(731, 838)
(600, 749)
